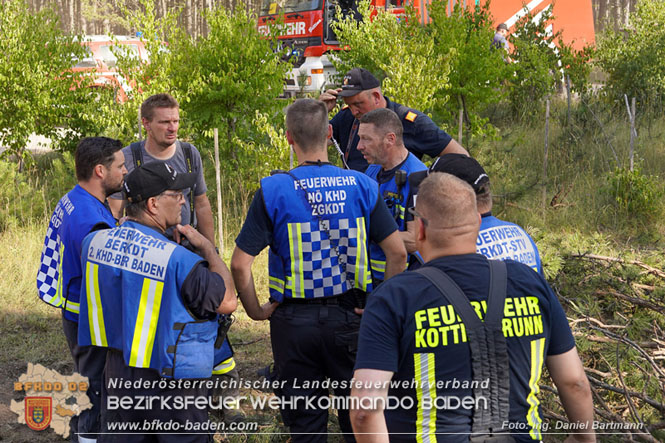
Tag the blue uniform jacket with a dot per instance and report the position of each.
(59, 276)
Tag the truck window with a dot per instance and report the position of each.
(109, 58)
(270, 7)
(87, 61)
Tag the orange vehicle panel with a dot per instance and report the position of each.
(573, 17)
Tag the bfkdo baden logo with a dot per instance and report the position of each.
(49, 399)
(38, 412)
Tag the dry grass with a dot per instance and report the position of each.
(31, 331)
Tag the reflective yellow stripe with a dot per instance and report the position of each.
(73, 307)
(426, 393)
(146, 323)
(95, 312)
(363, 274)
(295, 248)
(301, 274)
(400, 211)
(378, 265)
(532, 417)
(276, 284)
(224, 367)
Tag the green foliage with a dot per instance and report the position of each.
(541, 60)
(30, 196)
(117, 119)
(477, 70)
(634, 59)
(35, 81)
(224, 77)
(635, 193)
(398, 51)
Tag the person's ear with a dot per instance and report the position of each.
(152, 205)
(99, 171)
(376, 96)
(289, 138)
(421, 235)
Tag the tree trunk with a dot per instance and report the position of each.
(72, 16)
(188, 16)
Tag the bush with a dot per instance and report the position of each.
(542, 60)
(634, 58)
(31, 196)
(477, 70)
(35, 82)
(398, 51)
(635, 193)
(236, 91)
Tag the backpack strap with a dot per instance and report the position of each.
(187, 150)
(489, 352)
(137, 153)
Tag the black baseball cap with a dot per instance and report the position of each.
(356, 81)
(459, 165)
(151, 179)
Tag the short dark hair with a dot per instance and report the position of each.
(385, 120)
(307, 122)
(134, 210)
(502, 26)
(484, 196)
(93, 151)
(163, 100)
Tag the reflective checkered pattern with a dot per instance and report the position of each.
(321, 268)
(48, 275)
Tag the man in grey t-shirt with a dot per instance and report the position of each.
(160, 117)
(500, 40)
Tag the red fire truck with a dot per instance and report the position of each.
(100, 62)
(306, 30)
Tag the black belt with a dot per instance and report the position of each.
(334, 301)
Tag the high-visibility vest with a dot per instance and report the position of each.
(303, 261)
(396, 199)
(131, 302)
(59, 276)
(501, 240)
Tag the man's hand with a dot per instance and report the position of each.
(195, 238)
(330, 98)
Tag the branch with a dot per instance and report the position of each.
(645, 398)
(634, 345)
(636, 300)
(651, 269)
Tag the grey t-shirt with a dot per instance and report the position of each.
(178, 162)
(500, 41)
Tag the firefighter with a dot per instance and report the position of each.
(361, 92)
(160, 116)
(318, 220)
(380, 135)
(464, 339)
(497, 239)
(155, 305)
(100, 168)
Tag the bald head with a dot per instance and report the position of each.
(449, 206)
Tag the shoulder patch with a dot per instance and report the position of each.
(410, 116)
